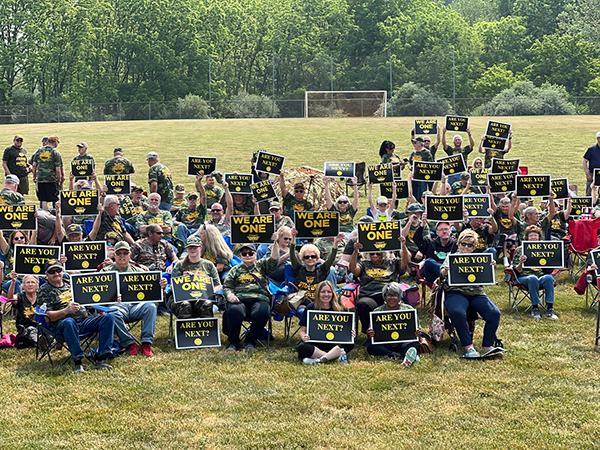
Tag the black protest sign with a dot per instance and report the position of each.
(339, 169)
(497, 129)
(98, 288)
(137, 287)
(544, 254)
(201, 164)
(118, 184)
(331, 327)
(76, 203)
(479, 177)
(84, 255)
(387, 189)
(595, 254)
(189, 288)
(31, 259)
(457, 123)
(82, 167)
(314, 224)
(494, 143)
(127, 208)
(453, 164)
(426, 126)
(596, 178)
(197, 333)
(471, 269)
(380, 173)
(477, 205)
(578, 203)
(252, 229)
(447, 208)
(427, 171)
(239, 183)
(394, 327)
(269, 163)
(379, 236)
(560, 187)
(263, 191)
(18, 217)
(505, 165)
(502, 182)
(533, 185)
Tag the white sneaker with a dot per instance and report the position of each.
(410, 357)
(311, 360)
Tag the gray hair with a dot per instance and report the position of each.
(110, 199)
(153, 228)
(530, 210)
(392, 289)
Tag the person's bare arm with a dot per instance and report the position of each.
(327, 190)
(471, 141)
(229, 201)
(355, 195)
(509, 143)
(153, 186)
(354, 268)
(551, 207)
(481, 149)
(284, 191)
(444, 138)
(6, 169)
(200, 189)
(34, 171)
(568, 207)
(586, 170)
(371, 198)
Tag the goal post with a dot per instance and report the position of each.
(345, 104)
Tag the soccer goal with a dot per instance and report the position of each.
(345, 104)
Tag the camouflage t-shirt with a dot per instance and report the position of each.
(47, 160)
(148, 217)
(202, 267)
(162, 175)
(9, 197)
(242, 280)
(118, 166)
(152, 256)
(191, 218)
(57, 298)
(213, 195)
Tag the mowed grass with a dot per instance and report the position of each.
(542, 394)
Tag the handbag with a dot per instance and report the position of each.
(425, 345)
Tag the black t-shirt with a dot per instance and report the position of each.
(16, 159)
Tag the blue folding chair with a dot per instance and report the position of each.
(286, 288)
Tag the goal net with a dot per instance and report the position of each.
(345, 104)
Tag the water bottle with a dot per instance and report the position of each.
(43, 309)
(343, 357)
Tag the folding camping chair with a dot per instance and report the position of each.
(584, 237)
(420, 279)
(518, 292)
(281, 292)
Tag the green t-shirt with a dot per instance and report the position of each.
(162, 175)
(462, 150)
(373, 277)
(346, 218)
(191, 218)
(202, 267)
(290, 204)
(423, 155)
(491, 153)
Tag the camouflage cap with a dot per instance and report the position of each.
(193, 241)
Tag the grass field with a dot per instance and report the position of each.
(542, 394)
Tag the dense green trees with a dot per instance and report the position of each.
(95, 51)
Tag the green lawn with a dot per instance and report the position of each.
(543, 393)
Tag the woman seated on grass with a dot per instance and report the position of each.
(407, 351)
(460, 298)
(313, 353)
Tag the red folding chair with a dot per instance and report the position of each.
(584, 237)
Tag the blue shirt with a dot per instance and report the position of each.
(593, 156)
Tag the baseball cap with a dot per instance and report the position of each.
(118, 150)
(74, 229)
(13, 178)
(299, 185)
(18, 136)
(111, 235)
(250, 246)
(180, 188)
(274, 205)
(414, 208)
(193, 241)
(135, 187)
(382, 199)
(51, 264)
(366, 219)
(152, 155)
(192, 194)
(598, 134)
(419, 139)
(465, 176)
(122, 245)
(82, 145)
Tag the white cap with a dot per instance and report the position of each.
(598, 134)
(152, 155)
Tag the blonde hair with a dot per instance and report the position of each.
(309, 248)
(214, 243)
(335, 304)
(467, 235)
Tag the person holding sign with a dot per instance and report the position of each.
(535, 278)
(342, 205)
(82, 148)
(71, 319)
(532, 217)
(457, 140)
(27, 327)
(296, 202)
(506, 237)
(8, 253)
(407, 351)
(460, 298)
(119, 165)
(213, 191)
(312, 353)
(248, 296)
(427, 141)
(434, 250)
(193, 264)
(374, 274)
(220, 221)
(385, 208)
(491, 153)
(190, 217)
(420, 153)
(110, 220)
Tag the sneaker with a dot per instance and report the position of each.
(535, 314)
(311, 361)
(102, 364)
(343, 358)
(78, 368)
(146, 350)
(231, 348)
(250, 349)
(410, 357)
(550, 314)
(132, 349)
(472, 353)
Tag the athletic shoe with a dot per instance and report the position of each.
(550, 314)
(250, 349)
(146, 350)
(231, 348)
(535, 314)
(102, 364)
(132, 349)
(410, 357)
(311, 361)
(343, 358)
(472, 353)
(78, 368)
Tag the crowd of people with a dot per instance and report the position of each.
(181, 233)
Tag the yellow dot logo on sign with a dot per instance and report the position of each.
(444, 216)
(427, 177)
(96, 297)
(532, 192)
(395, 336)
(85, 264)
(451, 170)
(497, 134)
(339, 172)
(493, 145)
(473, 212)
(238, 188)
(141, 296)
(197, 341)
(329, 336)
(36, 269)
(455, 128)
(504, 188)
(578, 212)
(268, 169)
(543, 262)
(471, 278)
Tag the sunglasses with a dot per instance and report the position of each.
(310, 257)
(247, 253)
(216, 210)
(287, 239)
(19, 238)
(464, 244)
(54, 271)
(19, 140)
(160, 233)
(342, 202)
(124, 253)
(298, 190)
(111, 244)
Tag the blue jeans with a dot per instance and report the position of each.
(146, 312)
(70, 328)
(534, 284)
(6, 285)
(431, 270)
(165, 206)
(493, 251)
(183, 232)
(418, 187)
(457, 304)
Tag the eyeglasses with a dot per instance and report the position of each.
(122, 253)
(310, 257)
(19, 238)
(247, 253)
(464, 244)
(54, 271)
(343, 202)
